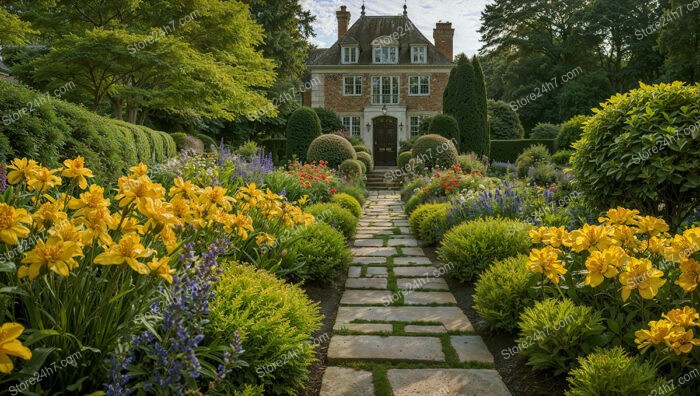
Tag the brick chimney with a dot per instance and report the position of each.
(443, 34)
(343, 20)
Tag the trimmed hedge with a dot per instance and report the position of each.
(332, 148)
(504, 122)
(445, 126)
(351, 167)
(434, 150)
(361, 148)
(544, 131)
(509, 150)
(403, 159)
(303, 127)
(366, 159)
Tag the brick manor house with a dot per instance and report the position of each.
(381, 77)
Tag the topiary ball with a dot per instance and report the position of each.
(504, 122)
(366, 159)
(323, 250)
(332, 148)
(303, 127)
(335, 215)
(434, 150)
(403, 160)
(351, 168)
(445, 126)
(362, 148)
(348, 202)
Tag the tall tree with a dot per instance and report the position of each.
(481, 141)
(460, 101)
(680, 42)
(13, 30)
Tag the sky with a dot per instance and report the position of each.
(464, 15)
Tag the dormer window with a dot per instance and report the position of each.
(349, 55)
(386, 55)
(419, 54)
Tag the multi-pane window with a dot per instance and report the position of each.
(352, 86)
(419, 85)
(352, 124)
(414, 124)
(418, 54)
(349, 54)
(386, 55)
(385, 90)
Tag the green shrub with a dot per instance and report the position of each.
(555, 333)
(533, 155)
(303, 127)
(348, 202)
(504, 121)
(418, 215)
(279, 181)
(157, 147)
(366, 159)
(562, 157)
(336, 216)
(277, 147)
(170, 147)
(612, 372)
(544, 131)
(570, 131)
(403, 159)
(127, 145)
(332, 148)
(445, 126)
(141, 140)
(642, 150)
(412, 203)
(363, 166)
(509, 150)
(359, 193)
(470, 162)
(433, 225)
(361, 148)
(324, 251)
(356, 141)
(351, 168)
(274, 319)
(330, 122)
(502, 292)
(5, 148)
(434, 150)
(247, 150)
(474, 245)
(210, 145)
(179, 138)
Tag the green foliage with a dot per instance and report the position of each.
(247, 150)
(348, 202)
(678, 42)
(210, 145)
(555, 333)
(403, 159)
(274, 319)
(424, 127)
(412, 203)
(351, 168)
(562, 157)
(366, 159)
(434, 150)
(170, 146)
(504, 122)
(303, 127)
(502, 293)
(141, 138)
(331, 148)
(157, 147)
(323, 250)
(357, 192)
(509, 150)
(533, 155)
(361, 148)
(544, 131)
(612, 372)
(336, 216)
(415, 219)
(280, 180)
(470, 162)
(445, 126)
(570, 132)
(13, 29)
(642, 150)
(474, 245)
(433, 224)
(330, 122)
(179, 138)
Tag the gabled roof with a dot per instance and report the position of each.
(368, 28)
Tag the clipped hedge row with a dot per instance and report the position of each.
(50, 131)
(509, 150)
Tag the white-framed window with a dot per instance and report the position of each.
(388, 55)
(352, 85)
(349, 55)
(419, 85)
(414, 124)
(419, 54)
(385, 90)
(352, 124)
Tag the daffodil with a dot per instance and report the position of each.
(650, 225)
(13, 223)
(619, 216)
(690, 275)
(686, 317)
(546, 261)
(41, 179)
(639, 274)
(55, 254)
(658, 330)
(127, 251)
(21, 169)
(161, 267)
(11, 346)
(75, 169)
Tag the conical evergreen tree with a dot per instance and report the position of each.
(480, 137)
(457, 99)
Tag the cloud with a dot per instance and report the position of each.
(464, 14)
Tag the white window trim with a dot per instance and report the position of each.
(359, 122)
(374, 58)
(352, 94)
(371, 87)
(425, 54)
(418, 94)
(422, 116)
(349, 47)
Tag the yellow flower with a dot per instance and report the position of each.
(555, 236)
(41, 179)
(693, 235)
(184, 187)
(650, 225)
(690, 275)
(158, 213)
(21, 170)
(127, 251)
(75, 169)
(265, 238)
(250, 194)
(92, 199)
(538, 235)
(137, 189)
(68, 232)
(139, 170)
(658, 330)
(11, 346)
(681, 340)
(639, 274)
(589, 237)
(216, 195)
(655, 245)
(161, 267)
(619, 216)
(604, 264)
(97, 224)
(681, 248)
(48, 214)
(243, 225)
(56, 255)
(12, 224)
(686, 317)
(301, 201)
(546, 261)
(625, 235)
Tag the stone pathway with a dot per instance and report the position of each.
(397, 311)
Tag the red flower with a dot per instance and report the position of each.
(332, 191)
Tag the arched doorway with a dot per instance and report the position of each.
(384, 136)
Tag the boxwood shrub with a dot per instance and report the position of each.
(434, 150)
(366, 159)
(348, 202)
(532, 156)
(331, 148)
(403, 160)
(336, 216)
(444, 125)
(434, 224)
(324, 251)
(357, 192)
(570, 131)
(509, 150)
(544, 130)
(361, 148)
(504, 122)
(303, 127)
(275, 321)
(351, 168)
(474, 245)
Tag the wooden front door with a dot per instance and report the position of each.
(384, 135)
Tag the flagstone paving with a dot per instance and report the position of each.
(397, 308)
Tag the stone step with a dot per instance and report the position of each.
(381, 348)
(451, 317)
(462, 382)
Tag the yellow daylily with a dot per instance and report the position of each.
(91, 199)
(75, 169)
(55, 254)
(20, 169)
(546, 261)
(650, 225)
(690, 275)
(639, 274)
(42, 179)
(161, 267)
(681, 340)
(604, 264)
(11, 346)
(13, 223)
(589, 237)
(686, 317)
(127, 251)
(619, 216)
(658, 330)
